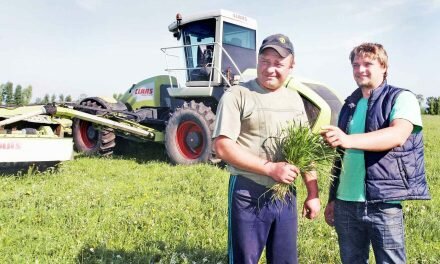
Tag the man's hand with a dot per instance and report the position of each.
(235, 155)
(329, 213)
(311, 207)
(335, 137)
(282, 172)
(380, 140)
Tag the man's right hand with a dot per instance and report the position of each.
(235, 155)
(329, 213)
(282, 172)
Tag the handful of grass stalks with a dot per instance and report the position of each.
(304, 149)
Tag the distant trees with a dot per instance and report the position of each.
(17, 96)
(22, 96)
(8, 94)
(46, 99)
(49, 99)
(433, 105)
(421, 98)
(27, 95)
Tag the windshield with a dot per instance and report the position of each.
(239, 43)
(238, 36)
(196, 33)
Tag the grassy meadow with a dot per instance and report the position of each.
(137, 208)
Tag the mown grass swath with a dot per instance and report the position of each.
(305, 150)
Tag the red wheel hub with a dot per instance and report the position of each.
(88, 134)
(190, 139)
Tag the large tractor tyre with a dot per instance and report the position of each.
(89, 140)
(188, 134)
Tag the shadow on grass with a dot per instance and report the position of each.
(142, 152)
(27, 168)
(149, 253)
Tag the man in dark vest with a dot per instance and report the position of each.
(379, 136)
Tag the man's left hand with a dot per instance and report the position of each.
(311, 208)
(335, 137)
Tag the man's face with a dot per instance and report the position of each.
(272, 69)
(368, 73)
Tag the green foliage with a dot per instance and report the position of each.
(53, 98)
(18, 96)
(8, 93)
(61, 98)
(69, 98)
(433, 105)
(27, 95)
(1, 93)
(140, 209)
(304, 149)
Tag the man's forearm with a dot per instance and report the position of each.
(380, 140)
(311, 182)
(233, 154)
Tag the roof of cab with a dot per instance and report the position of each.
(240, 19)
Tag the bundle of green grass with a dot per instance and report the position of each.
(307, 151)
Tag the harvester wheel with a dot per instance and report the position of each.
(89, 140)
(188, 134)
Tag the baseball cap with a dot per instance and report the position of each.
(278, 42)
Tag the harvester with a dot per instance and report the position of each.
(217, 50)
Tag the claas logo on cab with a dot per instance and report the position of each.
(144, 91)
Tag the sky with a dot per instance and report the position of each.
(102, 47)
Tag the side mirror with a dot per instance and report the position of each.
(177, 34)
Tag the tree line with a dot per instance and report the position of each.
(20, 96)
(431, 106)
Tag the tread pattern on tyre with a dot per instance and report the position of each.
(206, 116)
(106, 138)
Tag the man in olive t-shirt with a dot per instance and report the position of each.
(248, 118)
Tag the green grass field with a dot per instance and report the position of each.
(139, 209)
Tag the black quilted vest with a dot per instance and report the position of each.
(397, 174)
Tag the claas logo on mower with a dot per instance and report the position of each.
(10, 145)
(144, 91)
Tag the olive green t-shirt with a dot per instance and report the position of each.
(253, 117)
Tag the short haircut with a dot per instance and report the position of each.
(373, 51)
